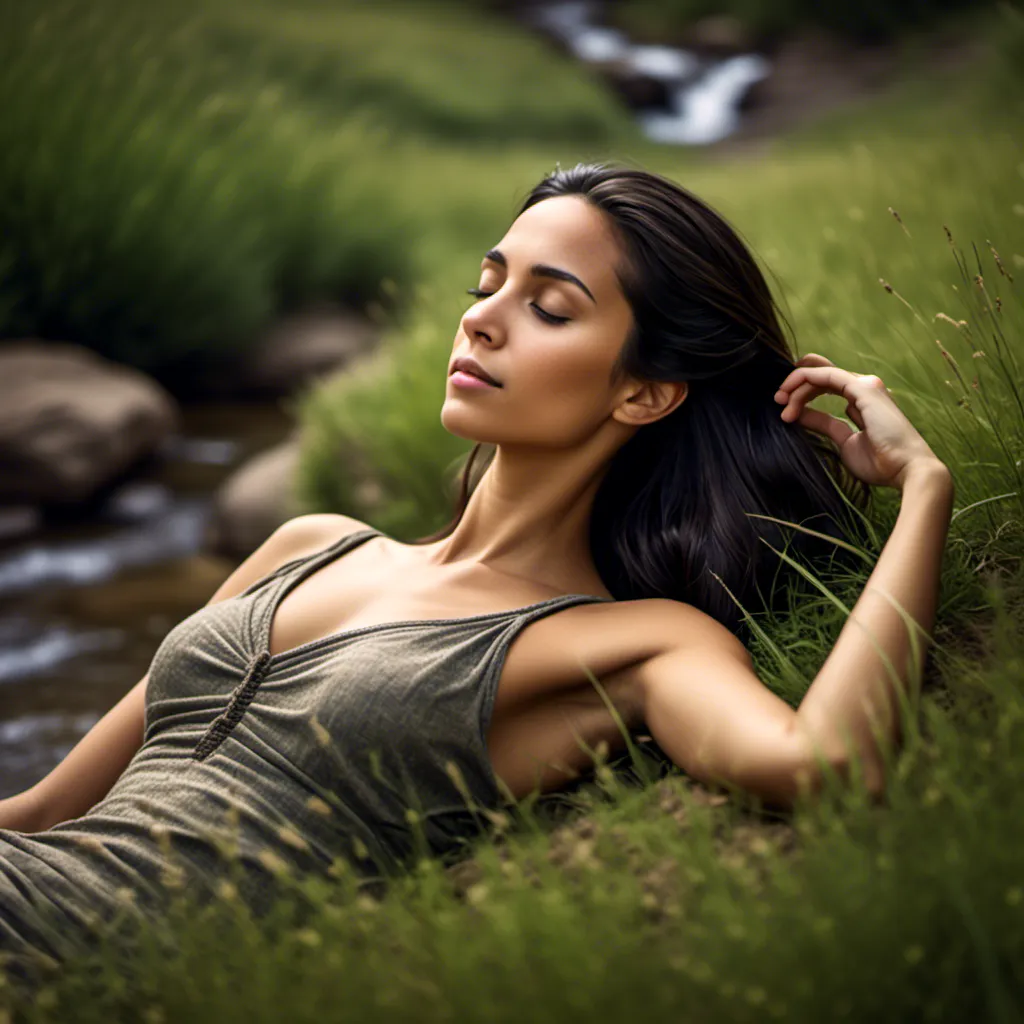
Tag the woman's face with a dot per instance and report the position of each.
(557, 258)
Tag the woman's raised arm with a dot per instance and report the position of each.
(703, 702)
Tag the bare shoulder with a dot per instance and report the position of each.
(618, 639)
(305, 534)
(655, 626)
(296, 538)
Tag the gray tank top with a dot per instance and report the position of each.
(366, 746)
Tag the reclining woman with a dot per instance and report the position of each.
(626, 364)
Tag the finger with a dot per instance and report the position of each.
(855, 388)
(814, 359)
(799, 398)
(853, 413)
(833, 379)
(796, 401)
(823, 423)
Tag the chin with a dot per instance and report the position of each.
(463, 423)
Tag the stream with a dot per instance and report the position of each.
(703, 95)
(84, 606)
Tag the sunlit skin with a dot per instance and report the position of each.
(557, 420)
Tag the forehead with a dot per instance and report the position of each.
(568, 233)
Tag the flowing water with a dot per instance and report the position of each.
(704, 95)
(83, 607)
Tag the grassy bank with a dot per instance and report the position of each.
(666, 900)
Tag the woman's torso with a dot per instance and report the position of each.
(332, 711)
(544, 698)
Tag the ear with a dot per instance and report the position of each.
(649, 401)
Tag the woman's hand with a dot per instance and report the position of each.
(882, 451)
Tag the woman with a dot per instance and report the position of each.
(345, 697)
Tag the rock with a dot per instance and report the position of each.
(255, 500)
(299, 349)
(719, 35)
(70, 421)
(813, 72)
(19, 521)
(638, 90)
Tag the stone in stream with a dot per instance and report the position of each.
(291, 354)
(71, 421)
(255, 500)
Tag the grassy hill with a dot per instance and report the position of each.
(663, 900)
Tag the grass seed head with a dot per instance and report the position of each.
(308, 937)
(323, 737)
(227, 891)
(999, 264)
(288, 835)
(499, 819)
(173, 877)
(340, 868)
(899, 220)
(319, 806)
(273, 863)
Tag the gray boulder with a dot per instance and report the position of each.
(299, 349)
(71, 421)
(255, 500)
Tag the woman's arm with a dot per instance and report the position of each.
(855, 686)
(703, 702)
(86, 774)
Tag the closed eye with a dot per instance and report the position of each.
(550, 318)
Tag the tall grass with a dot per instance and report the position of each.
(665, 899)
(173, 176)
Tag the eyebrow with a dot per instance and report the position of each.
(543, 270)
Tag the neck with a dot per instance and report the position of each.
(529, 517)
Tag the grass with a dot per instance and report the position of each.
(264, 128)
(667, 899)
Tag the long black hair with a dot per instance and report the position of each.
(671, 512)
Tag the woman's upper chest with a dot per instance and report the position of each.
(554, 652)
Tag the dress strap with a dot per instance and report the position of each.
(337, 547)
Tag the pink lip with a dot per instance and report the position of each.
(461, 379)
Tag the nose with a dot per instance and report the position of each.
(480, 323)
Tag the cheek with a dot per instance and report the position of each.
(563, 394)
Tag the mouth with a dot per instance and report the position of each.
(464, 379)
(465, 369)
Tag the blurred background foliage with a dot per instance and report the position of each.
(174, 175)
